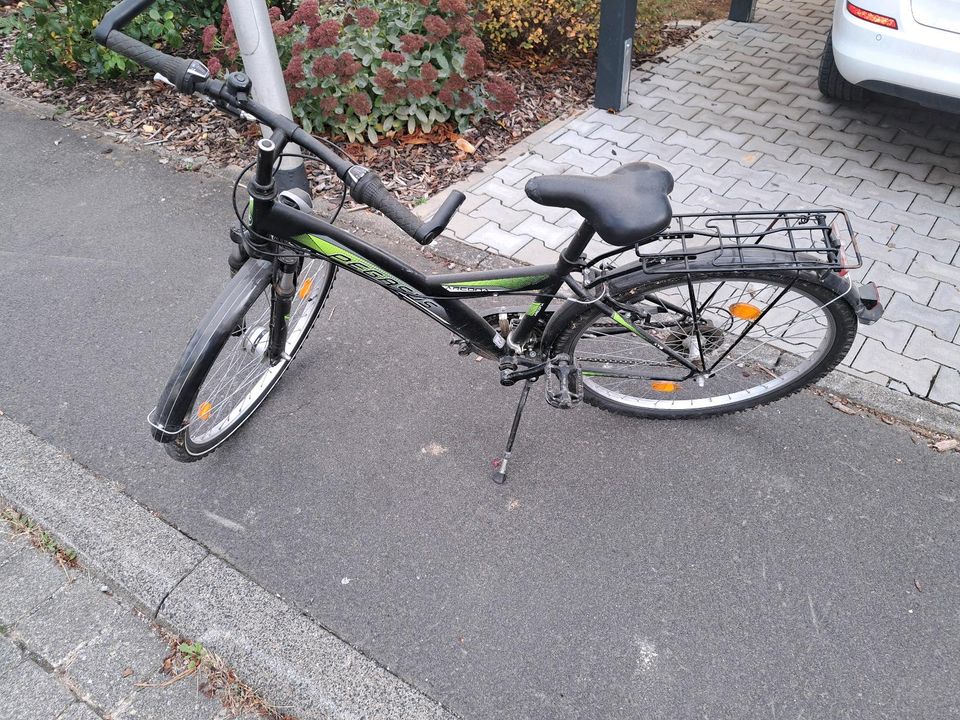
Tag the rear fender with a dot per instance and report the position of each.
(868, 308)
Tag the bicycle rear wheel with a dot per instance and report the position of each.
(238, 374)
(756, 338)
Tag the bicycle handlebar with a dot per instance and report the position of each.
(176, 70)
(118, 17)
(368, 189)
(182, 73)
(190, 76)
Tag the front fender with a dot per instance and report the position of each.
(181, 390)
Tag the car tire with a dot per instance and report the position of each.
(831, 82)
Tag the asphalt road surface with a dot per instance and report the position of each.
(787, 562)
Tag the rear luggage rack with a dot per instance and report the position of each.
(811, 239)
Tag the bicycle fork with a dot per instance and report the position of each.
(281, 300)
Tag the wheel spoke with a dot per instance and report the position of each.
(747, 358)
(241, 376)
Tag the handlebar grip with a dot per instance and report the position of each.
(118, 17)
(371, 192)
(173, 68)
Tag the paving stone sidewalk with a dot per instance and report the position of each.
(69, 651)
(737, 118)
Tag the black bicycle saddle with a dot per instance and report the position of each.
(624, 207)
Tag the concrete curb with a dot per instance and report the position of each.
(295, 662)
(501, 161)
(911, 410)
(113, 535)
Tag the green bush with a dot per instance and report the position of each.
(554, 30)
(54, 39)
(550, 28)
(366, 71)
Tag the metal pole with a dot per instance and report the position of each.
(742, 10)
(261, 63)
(618, 22)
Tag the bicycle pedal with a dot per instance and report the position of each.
(564, 386)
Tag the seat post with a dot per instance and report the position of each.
(528, 322)
(571, 254)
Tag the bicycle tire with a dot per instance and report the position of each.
(840, 331)
(223, 336)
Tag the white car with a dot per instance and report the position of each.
(906, 48)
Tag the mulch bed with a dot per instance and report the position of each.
(192, 133)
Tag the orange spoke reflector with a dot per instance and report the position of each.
(305, 288)
(664, 386)
(745, 311)
(203, 412)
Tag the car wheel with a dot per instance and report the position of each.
(831, 82)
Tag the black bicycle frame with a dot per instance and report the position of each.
(439, 296)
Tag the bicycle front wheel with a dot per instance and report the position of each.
(241, 376)
(753, 339)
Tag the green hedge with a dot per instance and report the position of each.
(54, 40)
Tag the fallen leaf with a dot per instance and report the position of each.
(844, 408)
(916, 584)
(465, 145)
(416, 140)
(127, 672)
(946, 445)
(149, 129)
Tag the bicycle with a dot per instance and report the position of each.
(686, 316)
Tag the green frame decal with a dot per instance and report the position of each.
(504, 284)
(351, 261)
(620, 320)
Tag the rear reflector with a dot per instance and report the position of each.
(871, 17)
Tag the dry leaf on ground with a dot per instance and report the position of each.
(946, 445)
(844, 408)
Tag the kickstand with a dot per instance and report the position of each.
(500, 475)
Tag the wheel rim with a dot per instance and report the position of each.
(241, 376)
(791, 337)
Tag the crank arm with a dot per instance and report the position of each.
(511, 377)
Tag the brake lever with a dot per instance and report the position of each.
(229, 109)
(225, 107)
(235, 112)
